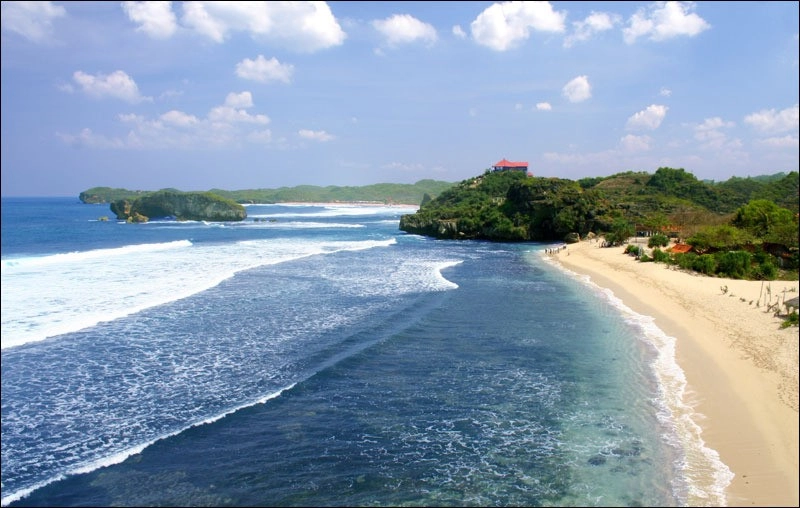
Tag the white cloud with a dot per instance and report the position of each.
(32, 20)
(787, 141)
(156, 19)
(595, 23)
(711, 137)
(578, 90)
(299, 26)
(87, 138)
(315, 135)
(404, 29)
(503, 26)
(771, 121)
(459, 32)
(117, 84)
(631, 143)
(179, 118)
(239, 100)
(665, 92)
(233, 111)
(543, 106)
(665, 20)
(225, 126)
(649, 118)
(263, 70)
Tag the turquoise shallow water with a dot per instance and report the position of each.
(325, 358)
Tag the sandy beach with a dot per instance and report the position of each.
(740, 366)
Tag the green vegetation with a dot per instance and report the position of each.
(97, 195)
(742, 228)
(389, 193)
(180, 205)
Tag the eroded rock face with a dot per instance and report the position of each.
(202, 206)
(437, 228)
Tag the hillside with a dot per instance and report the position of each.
(390, 193)
(509, 206)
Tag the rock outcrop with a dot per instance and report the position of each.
(200, 206)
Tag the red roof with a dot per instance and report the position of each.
(680, 248)
(509, 164)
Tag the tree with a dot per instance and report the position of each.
(621, 230)
(768, 221)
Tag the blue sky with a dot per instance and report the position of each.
(246, 95)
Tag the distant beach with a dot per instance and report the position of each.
(741, 367)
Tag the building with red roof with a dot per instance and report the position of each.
(507, 165)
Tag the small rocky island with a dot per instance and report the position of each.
(199, 206)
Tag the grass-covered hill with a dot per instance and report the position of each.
(390, 193)
(511, 206)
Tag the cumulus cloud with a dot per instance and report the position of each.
(404, 29)
(156, 19)
(578, 90)
(299, 26)
(239, 100)
(225, 125)
(233, 111)
(772, 121)
(117, 85)
(543, 106)
(595, 23)
(179, 118)
(459, 32)
(631, 143)
(263, 70)
(315, 135)
(503, 26)
(664, 21)
(32, 20)
(665, 92)
(710, 134)
(649, 118)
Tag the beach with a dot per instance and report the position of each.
(741, 368)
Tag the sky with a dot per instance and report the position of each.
(261, 95)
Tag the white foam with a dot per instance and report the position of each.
(49, 296)
(676, 410)
(341, 210)
(121, 456)
(76, 257)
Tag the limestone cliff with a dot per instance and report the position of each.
(201, 206)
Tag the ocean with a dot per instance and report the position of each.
(316, 355)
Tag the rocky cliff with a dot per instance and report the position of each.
(201, 206)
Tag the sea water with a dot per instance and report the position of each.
(314, 354)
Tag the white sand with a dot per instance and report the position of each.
(741, 367)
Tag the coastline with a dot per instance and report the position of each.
(741, 368)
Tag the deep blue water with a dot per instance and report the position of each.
(316, 355)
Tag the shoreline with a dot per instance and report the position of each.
(741, 368)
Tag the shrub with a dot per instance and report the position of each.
(706, 264)
(658, 240)
(791, 320)
(734, 264)
(764, 271)
(685, 261)
(659, 256)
